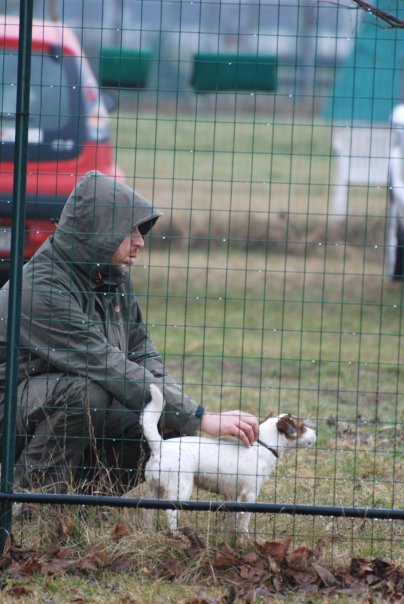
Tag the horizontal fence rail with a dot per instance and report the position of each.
(204, 506)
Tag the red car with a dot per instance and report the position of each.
(68, 129)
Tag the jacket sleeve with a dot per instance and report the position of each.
(62, 337)
(181, 413)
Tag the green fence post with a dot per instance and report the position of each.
(17, 247)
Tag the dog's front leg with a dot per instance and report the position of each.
(230, 522)
(172, 520)
(243, 522)
(148, 519)
(247, 495)
(237, 523)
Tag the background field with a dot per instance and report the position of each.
(315, 334)
(205, 171)
(258, 297)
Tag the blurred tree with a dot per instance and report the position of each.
(53, 10)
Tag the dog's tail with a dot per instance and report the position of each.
(150, 418)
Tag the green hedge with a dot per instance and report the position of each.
(216, 72)
(124, 67)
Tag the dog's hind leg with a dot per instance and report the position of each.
(179, 488)
(150, 513)
(243, 522)
(172, 520)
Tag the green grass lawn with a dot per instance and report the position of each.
(316, 336)
(258, 300)
(211, 162)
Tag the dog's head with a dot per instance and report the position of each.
(285, 431)
(296, 431)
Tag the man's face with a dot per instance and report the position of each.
(128, 250)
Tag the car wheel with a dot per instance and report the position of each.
(399, 253)
(4, 275)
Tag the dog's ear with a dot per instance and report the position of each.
(270, 414)
(287, 425)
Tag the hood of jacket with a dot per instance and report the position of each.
(97, 216)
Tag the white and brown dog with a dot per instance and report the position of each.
(224, 466)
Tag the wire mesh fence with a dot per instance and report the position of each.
(263, 272)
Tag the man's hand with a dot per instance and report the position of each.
(231, 423)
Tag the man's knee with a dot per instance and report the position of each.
(99, 399)
(78, 394)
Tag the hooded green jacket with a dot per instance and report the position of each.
(80, 315)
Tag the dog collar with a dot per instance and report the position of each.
(273, 451)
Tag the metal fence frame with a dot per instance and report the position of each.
(17, 246)
(7, 496)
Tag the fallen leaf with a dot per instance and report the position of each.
(173, 567)
(225, 556)
(309, 588)
(55, 550)
(120, 530)
(17, 591)
(13, 569)
(255, 574)
(64, 528)
(193, 537)
(300, 558)
(250, 557)
(59, 566)
(121, 565)
(275, 549)
(19, 553)
(88, 565)
(325, 575)
(299, 578)
(383, 568)
(94, 559)
(30, 567)
(197, 545)
(360, 567)
(319, 548)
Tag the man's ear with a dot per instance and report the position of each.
(287, 426)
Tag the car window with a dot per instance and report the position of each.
(56, 102)
(51, 91)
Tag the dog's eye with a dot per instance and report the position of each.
(287, 426)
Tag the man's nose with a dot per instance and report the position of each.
(137, 239)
